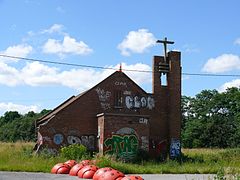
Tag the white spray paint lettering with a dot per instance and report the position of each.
(139, 102)
(143, 121)
(120, 83)
(104, 97)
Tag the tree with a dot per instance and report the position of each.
(14, 127)
(211, 119)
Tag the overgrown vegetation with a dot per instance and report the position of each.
(19, 157)
(15, 127)
(74, 151)
(211, 119)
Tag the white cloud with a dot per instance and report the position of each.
(38, 74)
(233, 83)
(223, 63)
(23, 109)
(55, 28)
(21, 50)
(137, 42)
(68, 46)
(237, 41)
(138, 77)
(9, 75)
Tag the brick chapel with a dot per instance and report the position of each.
(117, 116)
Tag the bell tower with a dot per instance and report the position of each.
(167, 95)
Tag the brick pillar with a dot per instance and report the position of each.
(159, 115)
(174, 89)
(156, 86)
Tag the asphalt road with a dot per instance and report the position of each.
(43, 176)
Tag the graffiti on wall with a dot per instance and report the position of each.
(87, 141)
(175, 148)
(118, 83)
(103, 95)
(139, 102)
(58, 139)
(127, 93)
(46, 139)
(124, 143)
(124, 146)
(126, 130)
(145, 143)
(143, 120)
(104, 98)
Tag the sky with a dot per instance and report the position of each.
(105, 33)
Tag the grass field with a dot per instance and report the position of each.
(19, 157)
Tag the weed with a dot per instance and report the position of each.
(74, 151)
(18, 157)
(220, 175)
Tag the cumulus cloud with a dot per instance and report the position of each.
(55, 28)
(69, 45)
(233, 83)
(9, 75)
(137, 42)
(38, 74)
(223, 63)
(21, 50)
(23, 109)
(138, 77)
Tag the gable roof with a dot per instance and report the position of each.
(58, 108)
(74, 98)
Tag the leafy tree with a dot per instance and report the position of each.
(9, 116)
(211, 119)
(14, 127)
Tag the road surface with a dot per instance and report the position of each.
(43, 176)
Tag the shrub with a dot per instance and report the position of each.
(74, 151)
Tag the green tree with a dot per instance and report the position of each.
(211, 119)
(14, 127)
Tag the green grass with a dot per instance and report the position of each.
(19, 157)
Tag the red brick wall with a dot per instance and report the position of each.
(124, 134)
(78, 122)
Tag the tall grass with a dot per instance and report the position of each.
(19, 157)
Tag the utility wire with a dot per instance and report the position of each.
(110, 68)
(67, 64)
(216, 75)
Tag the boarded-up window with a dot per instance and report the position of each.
(118, 99)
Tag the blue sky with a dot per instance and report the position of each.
(106, 33)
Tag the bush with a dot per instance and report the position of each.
(74, 151)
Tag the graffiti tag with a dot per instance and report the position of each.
(145, 143)
(120, 83)
(87, 141)
(58, 139)
(125, 146)
(175, 148)
(143, 121)
(139, 102)
(103, 95)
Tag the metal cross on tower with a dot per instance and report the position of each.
(164, 66)
(165, 42)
